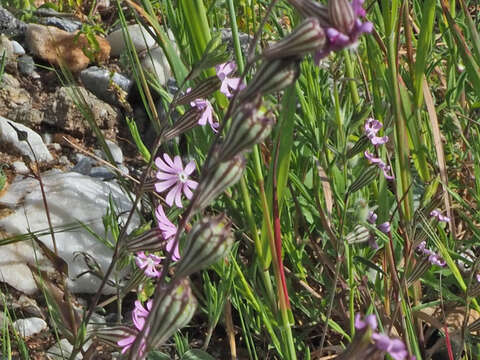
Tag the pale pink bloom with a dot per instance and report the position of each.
(126, 343)
(372, 127)
(478, 277)
(369, 321)
(168, 232)
(173, 176)
(437, 214)
(207, 114)
(148, 264)
(228, 83)
(433, 257)
(394, 347)
(384, 227)
(140, 314)
(372, 217)
(385, 168)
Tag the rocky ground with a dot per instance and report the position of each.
(34, 100)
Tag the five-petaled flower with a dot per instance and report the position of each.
(207, 113)
(228, 83)
(148, 263)
(139, 315)
(173, 176)
(168, 232)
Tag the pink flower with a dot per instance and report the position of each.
(433, 258)
(140, 314)
(372, 217)
(437, 214)
(148, 264)
(232, 83)
(385, 168)
(372, 127)
(394, 347)
(384, 227)
(173, 176)
(168, 232)
(207, 114)
(478, 277)
(370, 321)
(126, 343)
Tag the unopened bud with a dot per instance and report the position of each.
(250, 126)
(185, 123)
(309, 8)
(202, 91)
(272, 76)
(150, 240)
(341, 15)
(218, 177)
(209, 241)
(306, 38)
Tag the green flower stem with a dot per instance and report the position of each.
(236, 40)
(351, 76)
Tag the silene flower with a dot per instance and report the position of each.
(372, 127)
(437, 214)
(384, 167)
(369, 321)
(173, 176)
(148, 263)
(139, 315)
(394, 347)
(168, 230)
(207, 113)
(228, 83)
(433, 258)
(346, 26)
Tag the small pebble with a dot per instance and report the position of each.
(30, 326)
(17, 48)
(20, 167)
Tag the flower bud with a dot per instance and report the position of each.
(341, 15)
(209, 241)
(272, 76)
(309, 8)
(150, 240)
(250, 126)
(202, 91)
(185, 123)
(170, 311)
(307, 37)
(218, 177)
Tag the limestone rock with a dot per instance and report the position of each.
(30, 326)
(72, 198)
(141, 39)
(9, 136)
(61, 47)
(156, 63)
(99, 80)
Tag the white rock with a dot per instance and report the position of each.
(20, 167)
(30, 326)
(17, 48)
(72, 198)
(141, 39)
(61, 351)
(9, 135)
(156, 63)
(115, 151)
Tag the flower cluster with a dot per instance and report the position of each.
(438, 215)
(139, 315)
(372, 127)
(394, 347)
(433, 258)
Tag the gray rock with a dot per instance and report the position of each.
(62, 350)
(98, 81)
(26, 65)
(102, 172)
(62, 23)
(228, 37)
(155, 62)
(30, 326)
(115, 151)
(141, 39)
(9, 135)
(84, 166)
(72, 198)
(17, 48)
(9, 25)
(20, 167)
(65, 115)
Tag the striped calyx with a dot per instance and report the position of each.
(250, 126)
(202, 91)
(171, 311)
(217, 178)
(341, 15)
(209, 241)
(150, 240)
(273, 75)
(306, 38)
(309, 8)
(185, 123)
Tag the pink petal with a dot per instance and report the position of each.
(189, 168)
(164, 185)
